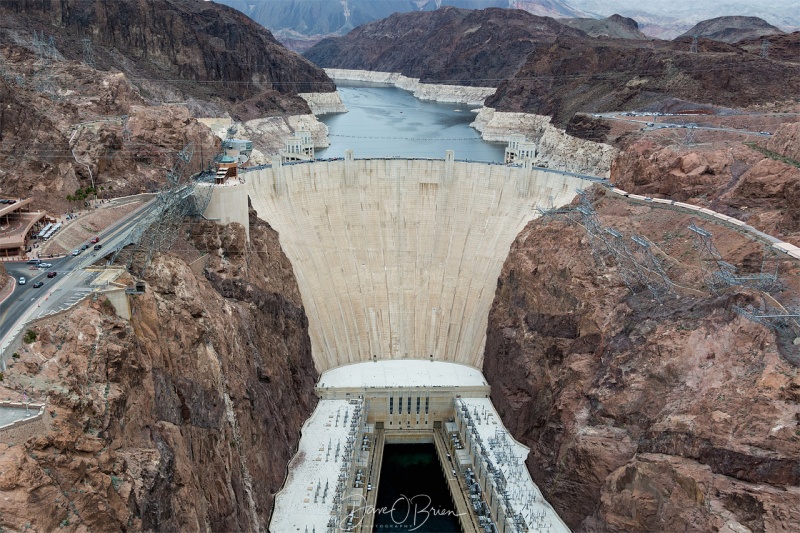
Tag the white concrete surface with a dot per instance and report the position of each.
(402, 373)
(313, 466)
(399, 259)
(228, 203)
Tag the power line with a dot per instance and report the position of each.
(734, 65)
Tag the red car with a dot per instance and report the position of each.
(52, 274)
(95, 240)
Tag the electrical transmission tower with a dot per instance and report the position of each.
(45, 48)
(785, 321)
(126, 130)
(636, 264)
(693, 48)
(771, 316)
(159, 229)
(550, 209)
(88, 53)
(689, 139)
(765, 48)
(719, 273)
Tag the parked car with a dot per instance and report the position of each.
(98, 246)
(37, 284)
(22, 280)
(52, 274)
(95, 240)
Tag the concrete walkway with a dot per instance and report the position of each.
(12, 414)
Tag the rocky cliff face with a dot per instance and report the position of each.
(642, 416)
(94, 129)
(554, 147)
(614, 26)
(66, 125)
(785, 141)
(201, 48)
(182, 419)
(597, 75)
(450, 46)
(732, 178)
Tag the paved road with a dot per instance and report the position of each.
(71, 282)
(644, 120)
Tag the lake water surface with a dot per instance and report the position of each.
(385, 121)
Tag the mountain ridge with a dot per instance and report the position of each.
(417, 45)
(199, 49)
(732, 29)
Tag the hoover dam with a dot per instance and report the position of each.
(397, 262)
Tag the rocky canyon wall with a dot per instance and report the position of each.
(641, 416)
(555, 149)
(182, 419)
(424, 91)
(323, 103)
(751, 182)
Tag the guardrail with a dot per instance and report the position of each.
(38, 407)
(589, 177)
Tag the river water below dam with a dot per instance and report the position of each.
(413, 494)
(384, 121)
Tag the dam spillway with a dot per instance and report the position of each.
(399, 258)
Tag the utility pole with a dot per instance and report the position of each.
(88, 54)
(765, 48)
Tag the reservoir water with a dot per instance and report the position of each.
(384, 121)
(413, 494)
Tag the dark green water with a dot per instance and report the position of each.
(413, 494)
(390, 122)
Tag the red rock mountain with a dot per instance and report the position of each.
(613, 26)
(63, 99)
(645, 415)
(200, 49)
(542, 66)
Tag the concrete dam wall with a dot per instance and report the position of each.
(400, 258)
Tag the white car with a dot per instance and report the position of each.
(77, 252)
(22, 280)
(44, 265)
